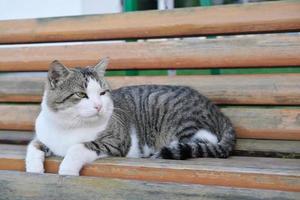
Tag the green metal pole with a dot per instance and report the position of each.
(186, 3)
(205, 2)
(130, 5)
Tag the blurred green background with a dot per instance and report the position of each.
(137, 5)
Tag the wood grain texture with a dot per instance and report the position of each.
(265, 123)
(244, 147)
(249, 18)
(246, 172)
(21, 89)
(18, 185)
(267, 148)
(18, 117)
(251, 51)
(264, 89)
(256, 123)
(16, 137)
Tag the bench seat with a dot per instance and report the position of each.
(244, 147)
(20, 185)
(243, 172)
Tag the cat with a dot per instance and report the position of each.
(82, 120)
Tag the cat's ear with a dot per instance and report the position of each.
(100, 68)
(57, 73)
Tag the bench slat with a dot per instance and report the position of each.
(249, 122)
(267, 148)
(18, 185)
(249, 18)
(263, 89)
(244, 147)
(253, 51)
(247, 172)
(16, 137)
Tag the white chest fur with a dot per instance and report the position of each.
(59, 139)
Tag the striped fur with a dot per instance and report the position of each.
(166, 118)
(157, 121)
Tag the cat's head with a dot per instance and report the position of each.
(78, 93)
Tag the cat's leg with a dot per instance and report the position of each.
(35, 156)
(81, 154)
(77, 156)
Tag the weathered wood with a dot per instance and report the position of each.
(22, 89)
(15, 137)
(18, 117)
(18, 185)
(258, 123)
(9, 151)
(249, 18)
(252, 51)
(247, 172)
(244, 147)
(268, 148)
(263, 89)
(282, 89)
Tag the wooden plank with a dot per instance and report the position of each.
(18, 117)
(249, 18)
(15, 137)
(263, 89)
(246, 172)
(18, 185)
(244, 147)
(258, 123)
(22, 89)
(9, 151)
(251, 51)
(267, 148)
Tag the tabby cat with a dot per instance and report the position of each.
(82, 120)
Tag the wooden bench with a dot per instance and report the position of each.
(263, 107)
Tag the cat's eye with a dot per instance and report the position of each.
(103, 92)
(81, 94)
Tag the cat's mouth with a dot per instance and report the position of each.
(94, 116)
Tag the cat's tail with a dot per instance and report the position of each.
(200, 148)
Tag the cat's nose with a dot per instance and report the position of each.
(98, 107)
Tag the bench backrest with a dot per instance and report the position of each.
(263, 107)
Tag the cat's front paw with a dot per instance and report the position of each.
(67, 169)
(35, 166)
(156, 155)
(68, 172)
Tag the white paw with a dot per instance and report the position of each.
(68, 172)
(34, 159)
(155, 155)
(35, 166)
(68, 169)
